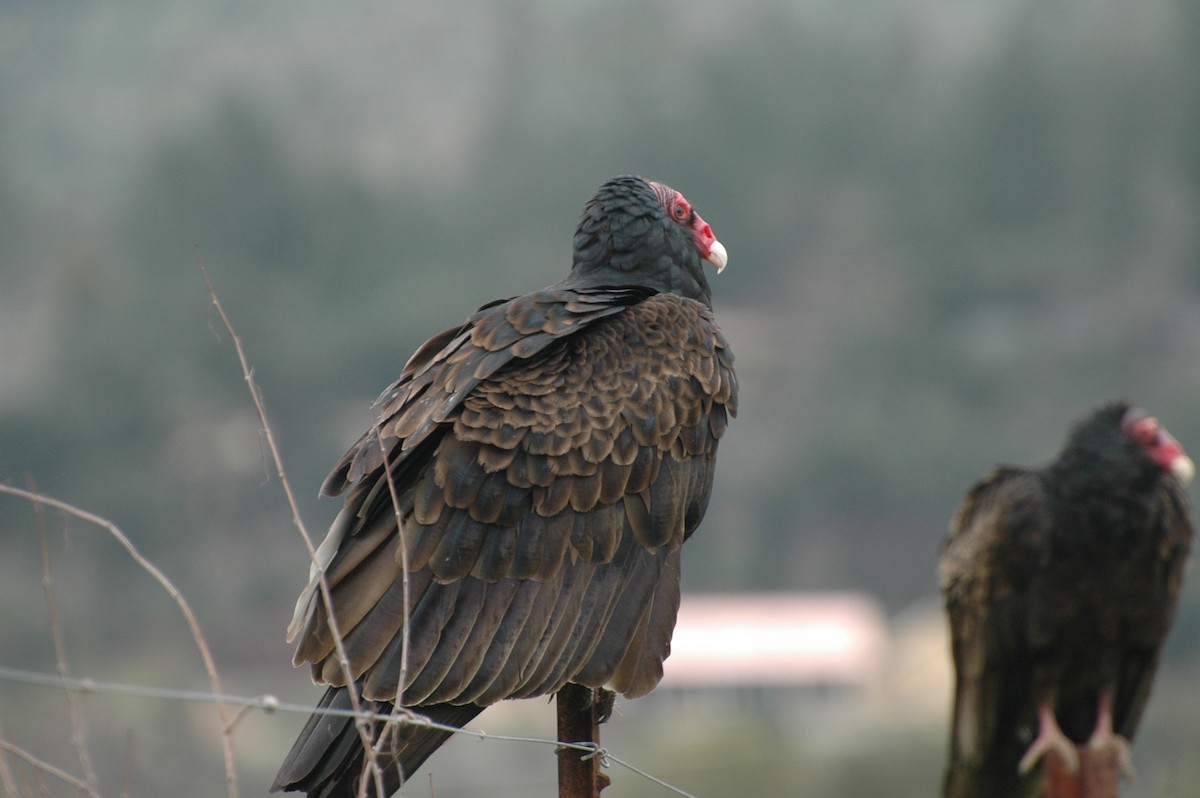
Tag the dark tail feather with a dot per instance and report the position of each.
(416, 744)
(327, 756)
(326, 761)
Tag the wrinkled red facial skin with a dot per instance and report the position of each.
(680, 210)
(1151, 436)
(703, 233)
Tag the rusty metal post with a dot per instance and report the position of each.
(579, 722)
(1060, 782)
(1099, 775)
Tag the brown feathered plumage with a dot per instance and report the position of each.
(548, 458)
(1060, 584)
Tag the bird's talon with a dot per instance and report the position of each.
(1050, 740)
(605, 699)
(1118, 748)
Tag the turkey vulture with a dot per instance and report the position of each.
(547, 458)
(1060, 583)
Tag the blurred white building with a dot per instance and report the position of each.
(763, 639)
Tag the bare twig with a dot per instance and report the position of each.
(44, 767)
(364, 731)
(256, 396)
(6, 775)
(75, 712)
(373, 748)
(210, 665)
(397, 708)
(404, 631)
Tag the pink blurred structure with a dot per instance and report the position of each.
(776, 639)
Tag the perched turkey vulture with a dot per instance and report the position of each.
(548, 458)
(1060, 584)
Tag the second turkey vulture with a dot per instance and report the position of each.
(1060, 584)
(548, 458)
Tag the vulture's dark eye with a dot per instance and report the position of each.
(680, 211)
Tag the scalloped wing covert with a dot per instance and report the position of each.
(549, 458)
(1000, 528)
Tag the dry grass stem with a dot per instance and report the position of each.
(167, 585)
(398, 712)
(6, 775)
(74, 710)
(43, 766)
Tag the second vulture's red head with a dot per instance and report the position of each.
(1163, 449)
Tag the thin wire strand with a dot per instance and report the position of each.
(270, 704)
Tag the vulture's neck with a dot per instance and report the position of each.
(1105, 495)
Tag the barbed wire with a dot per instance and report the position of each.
(271, 704)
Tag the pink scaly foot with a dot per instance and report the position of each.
(1050, 738)
(1105, 743)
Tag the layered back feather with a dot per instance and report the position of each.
(513, 522)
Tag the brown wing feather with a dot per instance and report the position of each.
(998, 530)
(641, 667)
(1153, 610)
(518, 450)
(1019, 590)
(440, 373)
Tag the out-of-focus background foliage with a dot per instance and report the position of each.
(953, 227)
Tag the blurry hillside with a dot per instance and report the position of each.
(953, 227)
